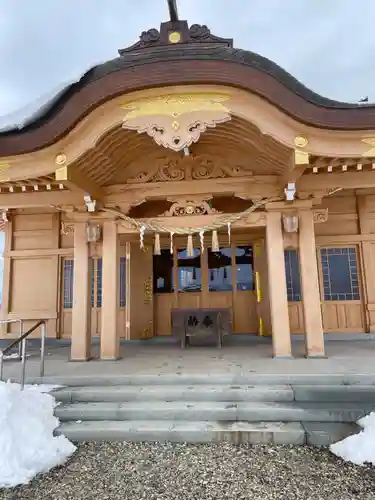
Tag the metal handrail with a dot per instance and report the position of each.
(21, 342)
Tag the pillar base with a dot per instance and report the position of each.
(110, 358)
(282, 357)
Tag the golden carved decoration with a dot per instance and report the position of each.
(301, 141)
(60, 159)
(148, 291)
(66, 228)
(4, 167)
(190, 206)
(301, 157)
(174, 37)
(189, 168)
(195, 112)
(320, 216)
(371, 142)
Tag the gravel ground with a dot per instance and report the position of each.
(162, 471)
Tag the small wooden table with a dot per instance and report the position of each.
(201, 322)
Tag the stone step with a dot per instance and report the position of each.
(185, 432)
(209, 411)
(364, 394)
(205, 393)
(278, 379)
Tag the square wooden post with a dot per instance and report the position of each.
(110, 339)
(310, 286)
(81, 314)
(281, 339)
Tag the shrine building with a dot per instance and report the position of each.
(186, 174)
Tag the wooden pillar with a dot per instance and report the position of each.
(368, 261)
(312, 311)
(81, 313)
(281, 340)
(110, 339)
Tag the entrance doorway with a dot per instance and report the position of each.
(217, 280)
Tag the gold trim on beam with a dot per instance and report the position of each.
(75, 181)
(371, 142)
(301, 157)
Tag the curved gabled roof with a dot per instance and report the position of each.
(198, 57)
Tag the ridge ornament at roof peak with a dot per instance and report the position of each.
(176, 33)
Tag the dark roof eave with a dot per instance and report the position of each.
(224, 66)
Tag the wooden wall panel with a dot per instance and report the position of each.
(163, 303)
(296, 320)
(343, 317)
(342, 216)
(32, 290)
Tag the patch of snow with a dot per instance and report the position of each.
(27, 444)
(359, 448)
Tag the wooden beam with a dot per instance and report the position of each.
(256, 186)
(293, 175)
(40, 199)
(77, 182)
(344, 180)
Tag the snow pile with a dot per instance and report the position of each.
(27, 444)
(359, 448)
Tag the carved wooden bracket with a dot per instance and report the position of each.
(320, 216)
(66, 228)
(190, 206)
(176, 121)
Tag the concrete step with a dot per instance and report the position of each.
(189, 432)
(213, 411)
(204, 393)
(364, 394)
(278, 379)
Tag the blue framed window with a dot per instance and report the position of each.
(122, 281)
(68, 272)
(292, 276)
(340, 273)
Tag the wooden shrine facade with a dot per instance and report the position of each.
(181, 183)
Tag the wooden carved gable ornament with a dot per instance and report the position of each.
(186, 168)
(176, 121)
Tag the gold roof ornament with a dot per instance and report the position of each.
(176, 121)
(60, 159)
(174, 37)
(301, 157)
(4, 167)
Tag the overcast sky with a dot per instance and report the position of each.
(327, 44)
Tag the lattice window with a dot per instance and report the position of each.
(292, 275)
(122, 281)
(68, 283)
(340, 273)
